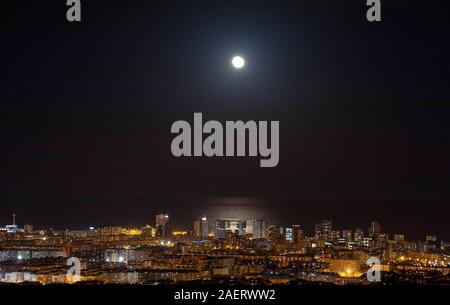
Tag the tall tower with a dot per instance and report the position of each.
(374, 230)
(297, 235)
(201, 227)
(162, 225)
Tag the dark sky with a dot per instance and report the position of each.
(364, 111)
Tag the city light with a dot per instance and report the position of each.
(240, 249)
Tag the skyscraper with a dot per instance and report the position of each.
(374, 230)
(222, 226)
(201, 227)
(272, 233)
(297, 235)
(358, 235)
(288, 234)
(259, 228)
(162, 225)
(323, 230)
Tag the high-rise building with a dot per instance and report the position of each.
(235, 226)
(288, 235)
(28, 229)
(374, 230)
(430, 243)
(297, 235)
(201, 227)
(323, 230)
(162, 225)
(347, 235)
(335, 235)
(259, 228)
(358, 235)
(222, 226)
(280, 234)
(272, 233)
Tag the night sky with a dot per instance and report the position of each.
(364, 111)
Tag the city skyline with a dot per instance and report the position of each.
(199, 230)
(226, 251)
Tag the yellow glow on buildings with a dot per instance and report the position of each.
(179, 233)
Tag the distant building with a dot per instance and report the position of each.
(297, 235)
(110, 231)
(431, 238)
(116, 256)
(235, 226)
(201, 227)
(12, 228)
(399, 237)
(358, 235)
(28, 229)
(162, 225)
(323, 230)
(19, 277)
(431, 243)
(335, 235)
(148, 231)
(347, 235)
(259, 228)
(272, 233)
(288, 235)
(374, 230)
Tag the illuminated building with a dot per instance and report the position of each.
(334, 235)
(272, 233)
(431, 238)
(297, 235)
(347, 235)
(281, 234)
(288, 235)
(201, 227)
(221, 227)
(323, 230)
(399, 237)
(19, 277)
(28, 229)
(259, 228)
(148, 231)
(235, 226)
(346, 267)
(180, 233)
(110, 231)
(374, 230)
(12, 228)
(162, 225)
(367, 242)
(358, 235)
(430, 243)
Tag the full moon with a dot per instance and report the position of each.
(238, 62)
